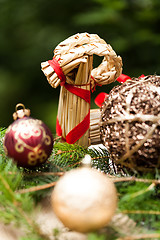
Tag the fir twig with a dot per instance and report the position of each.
(134, 179)
(140, 212)
(31, 224)
(136, 194)
(37, 174)
(36, 188)
(141, 236)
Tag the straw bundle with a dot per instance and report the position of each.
(75, 59)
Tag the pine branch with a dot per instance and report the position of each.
(20, 188)
(36, 188)
(141, 236)
(140, 200)
(141, 212)
(14, 207)
(132, 179)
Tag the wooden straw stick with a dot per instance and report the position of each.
(70, 66)
(64, 113)
(79, 74)
(78, 81)
(87, 105)
(95, 126)
(90, 66)
(61, 105)
(53, 77)
(56, 84)
(84, 139)
(44, 64)
(75, 98)
(70, 111)
(48, 70)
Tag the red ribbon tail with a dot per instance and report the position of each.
(142, 76)
(122, 78)
(58, 128)
(101, 97)
(78, 131)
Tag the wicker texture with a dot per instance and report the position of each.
(130, 123)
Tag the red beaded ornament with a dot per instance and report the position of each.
(27, 140)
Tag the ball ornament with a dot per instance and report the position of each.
(84, 199)
(130, 124)
(27, 140)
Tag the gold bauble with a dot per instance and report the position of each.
(84, 199)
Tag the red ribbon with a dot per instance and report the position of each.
(101, 97)
(78, 131)
(58, 128)
(95, 84)
(58, 70)
(142, 76)
(122, 78)
(82, 93)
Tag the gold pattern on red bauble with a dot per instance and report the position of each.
(27, 140)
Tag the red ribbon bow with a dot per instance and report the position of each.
(101, 97)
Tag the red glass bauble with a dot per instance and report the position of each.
(27, 140)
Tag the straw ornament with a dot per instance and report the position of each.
(71, 67)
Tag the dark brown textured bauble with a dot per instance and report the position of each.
(130, 124)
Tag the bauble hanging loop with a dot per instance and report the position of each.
(21, 112)
(27, 140)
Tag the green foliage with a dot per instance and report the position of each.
(143, 197)
(139, 199)
(94, 236)
(13, 205)
(130, 27)
(68, 156)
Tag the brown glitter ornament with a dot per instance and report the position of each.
(84, 199)
(130, 124)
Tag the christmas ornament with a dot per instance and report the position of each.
(95, 114)
(71, 67)
(130, 123)
(28, 141)
(84, 199)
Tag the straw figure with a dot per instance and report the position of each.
(72, 69)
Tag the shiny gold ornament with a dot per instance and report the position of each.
(84, 199)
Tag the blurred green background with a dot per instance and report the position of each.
(30, 30)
